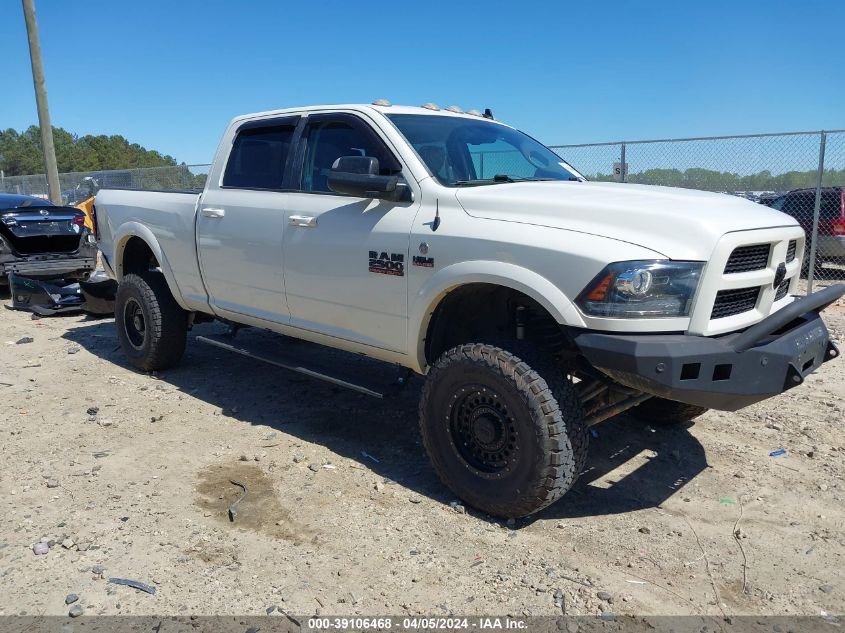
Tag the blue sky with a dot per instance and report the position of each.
(169, 75)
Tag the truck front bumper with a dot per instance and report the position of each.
(727, 372)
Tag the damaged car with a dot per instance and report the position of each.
(40, 240)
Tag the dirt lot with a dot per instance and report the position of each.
(128, 475)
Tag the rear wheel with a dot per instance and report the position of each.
(151, 327)
(660, 411)
(506, 437)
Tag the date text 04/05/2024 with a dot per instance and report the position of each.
(416, 623)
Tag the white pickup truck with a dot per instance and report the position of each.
(536, 304)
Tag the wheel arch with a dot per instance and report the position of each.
(132, 246)
(501, 276)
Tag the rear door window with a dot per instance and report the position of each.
(799, 205)
(830, 205)
(803, 204)
(258, 157)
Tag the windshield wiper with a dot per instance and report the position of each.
(485, 181)
(505, 178)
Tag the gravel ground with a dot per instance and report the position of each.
(129, 475)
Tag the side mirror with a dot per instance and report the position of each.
(358, 176)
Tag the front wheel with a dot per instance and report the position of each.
(151, 327)
(503, 437)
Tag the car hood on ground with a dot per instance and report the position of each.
(681, 224)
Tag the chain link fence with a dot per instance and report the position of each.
(799, 173)
(77, 186)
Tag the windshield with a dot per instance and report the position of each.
(463, 152)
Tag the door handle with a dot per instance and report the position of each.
(210, 212)
(303, 220)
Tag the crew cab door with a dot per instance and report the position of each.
(345, 257)
(241, 223)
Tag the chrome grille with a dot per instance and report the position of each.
(731, 302)
(746, 258)
(790, 250)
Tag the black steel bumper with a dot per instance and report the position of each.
(727, 372)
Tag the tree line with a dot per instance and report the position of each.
(712, 180)
(20, 152)
(129, 165)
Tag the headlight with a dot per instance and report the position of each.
(641, 290)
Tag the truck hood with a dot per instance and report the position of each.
(682, 224)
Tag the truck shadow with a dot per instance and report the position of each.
(631, 466)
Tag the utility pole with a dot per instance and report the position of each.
(41, 101)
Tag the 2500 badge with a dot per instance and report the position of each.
(387, 263)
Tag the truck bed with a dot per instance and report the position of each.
(170, 216)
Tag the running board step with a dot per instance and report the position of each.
(267, 348)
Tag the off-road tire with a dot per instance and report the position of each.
(544, 419)
(660, 411)
(165, 330)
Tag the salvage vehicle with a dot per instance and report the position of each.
(94, 181)
(830, 236)
(40, 240)
(537, 304)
